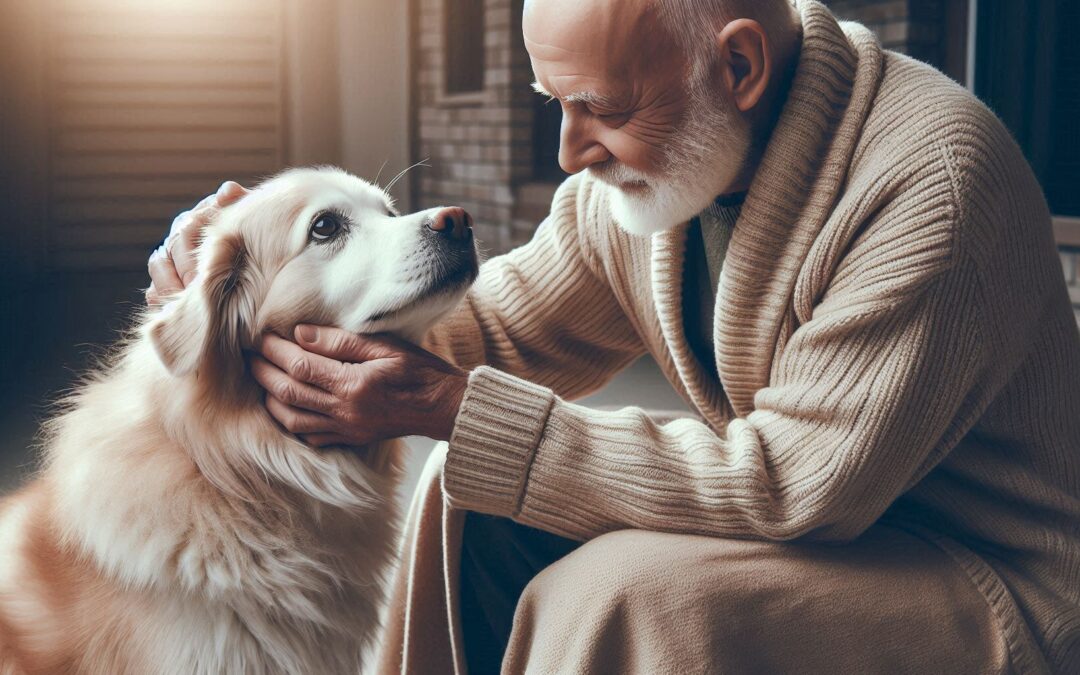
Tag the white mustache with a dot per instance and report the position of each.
(616, 174)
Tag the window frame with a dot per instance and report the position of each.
(1066, 228)
(452, 99)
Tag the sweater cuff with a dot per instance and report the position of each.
(495, 437)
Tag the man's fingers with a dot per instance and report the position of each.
(345, 346)
(181, 219)
(297, 420)
(230, 192)
(315, 369)
(173, 270)
(290, 391)
(186, 243)
(164, 279)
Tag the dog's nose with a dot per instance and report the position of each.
(453, 222)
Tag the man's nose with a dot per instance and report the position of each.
(453, 222)
(579, 149)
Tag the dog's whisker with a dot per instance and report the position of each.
(401, 175)
(376, 181)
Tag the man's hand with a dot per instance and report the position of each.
(335, 388)
(172, 266)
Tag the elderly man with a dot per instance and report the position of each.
(842, 262)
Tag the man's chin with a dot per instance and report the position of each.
(639, 217)
(644, 217)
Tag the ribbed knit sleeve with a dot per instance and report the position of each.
(542, 313)
(868, 395)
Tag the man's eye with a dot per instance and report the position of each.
(608, 117)
(325, 227)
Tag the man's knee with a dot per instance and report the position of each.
(648, 600)
(611, 605)
(628, 569)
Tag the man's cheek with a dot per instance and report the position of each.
(635, 150)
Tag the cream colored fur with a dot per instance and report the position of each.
(175, 528)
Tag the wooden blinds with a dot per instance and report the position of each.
(153, 104)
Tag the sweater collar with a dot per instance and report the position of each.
(795, 188)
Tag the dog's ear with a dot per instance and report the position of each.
(204, 323)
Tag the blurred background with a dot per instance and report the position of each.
(115, 115)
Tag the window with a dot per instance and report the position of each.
(1028, 70)
(463, 42)
(152, 104)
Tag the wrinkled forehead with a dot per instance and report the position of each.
(602, 41)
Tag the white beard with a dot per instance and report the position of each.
(704, 157)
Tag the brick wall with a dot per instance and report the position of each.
(479, 145)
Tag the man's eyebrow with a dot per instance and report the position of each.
(587, 97)
(539, 89)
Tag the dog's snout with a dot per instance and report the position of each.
(453, 222)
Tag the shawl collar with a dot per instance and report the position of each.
(795, 188)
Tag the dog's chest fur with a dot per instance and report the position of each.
(163, 570)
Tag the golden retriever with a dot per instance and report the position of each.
(175, 528)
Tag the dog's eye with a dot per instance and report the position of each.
(325, 226)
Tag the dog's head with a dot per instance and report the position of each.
(317, 246)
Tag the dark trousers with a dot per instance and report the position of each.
(498, 559)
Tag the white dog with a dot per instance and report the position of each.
(175, 527)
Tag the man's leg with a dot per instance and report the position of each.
(644, 602)
(498, 559)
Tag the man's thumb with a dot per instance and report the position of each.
(341, 345)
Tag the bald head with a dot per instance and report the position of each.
(601, 34)
(692, 22)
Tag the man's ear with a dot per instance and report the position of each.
(204, 322)
(746, 65)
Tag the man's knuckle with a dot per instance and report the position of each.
(299, 368)
(181, 220)
(338, 343)
(284, 391)
(344, 343)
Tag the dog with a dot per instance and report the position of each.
(174, 526)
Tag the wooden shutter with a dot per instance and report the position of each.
(154, 103)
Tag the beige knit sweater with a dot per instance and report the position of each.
(892, 332)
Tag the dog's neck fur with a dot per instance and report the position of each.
(231, 515)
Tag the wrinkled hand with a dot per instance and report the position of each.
(172, 266)
(332, 387)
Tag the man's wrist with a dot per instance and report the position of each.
(451, 397)
(494, 441)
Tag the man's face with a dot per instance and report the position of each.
(632, 115)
